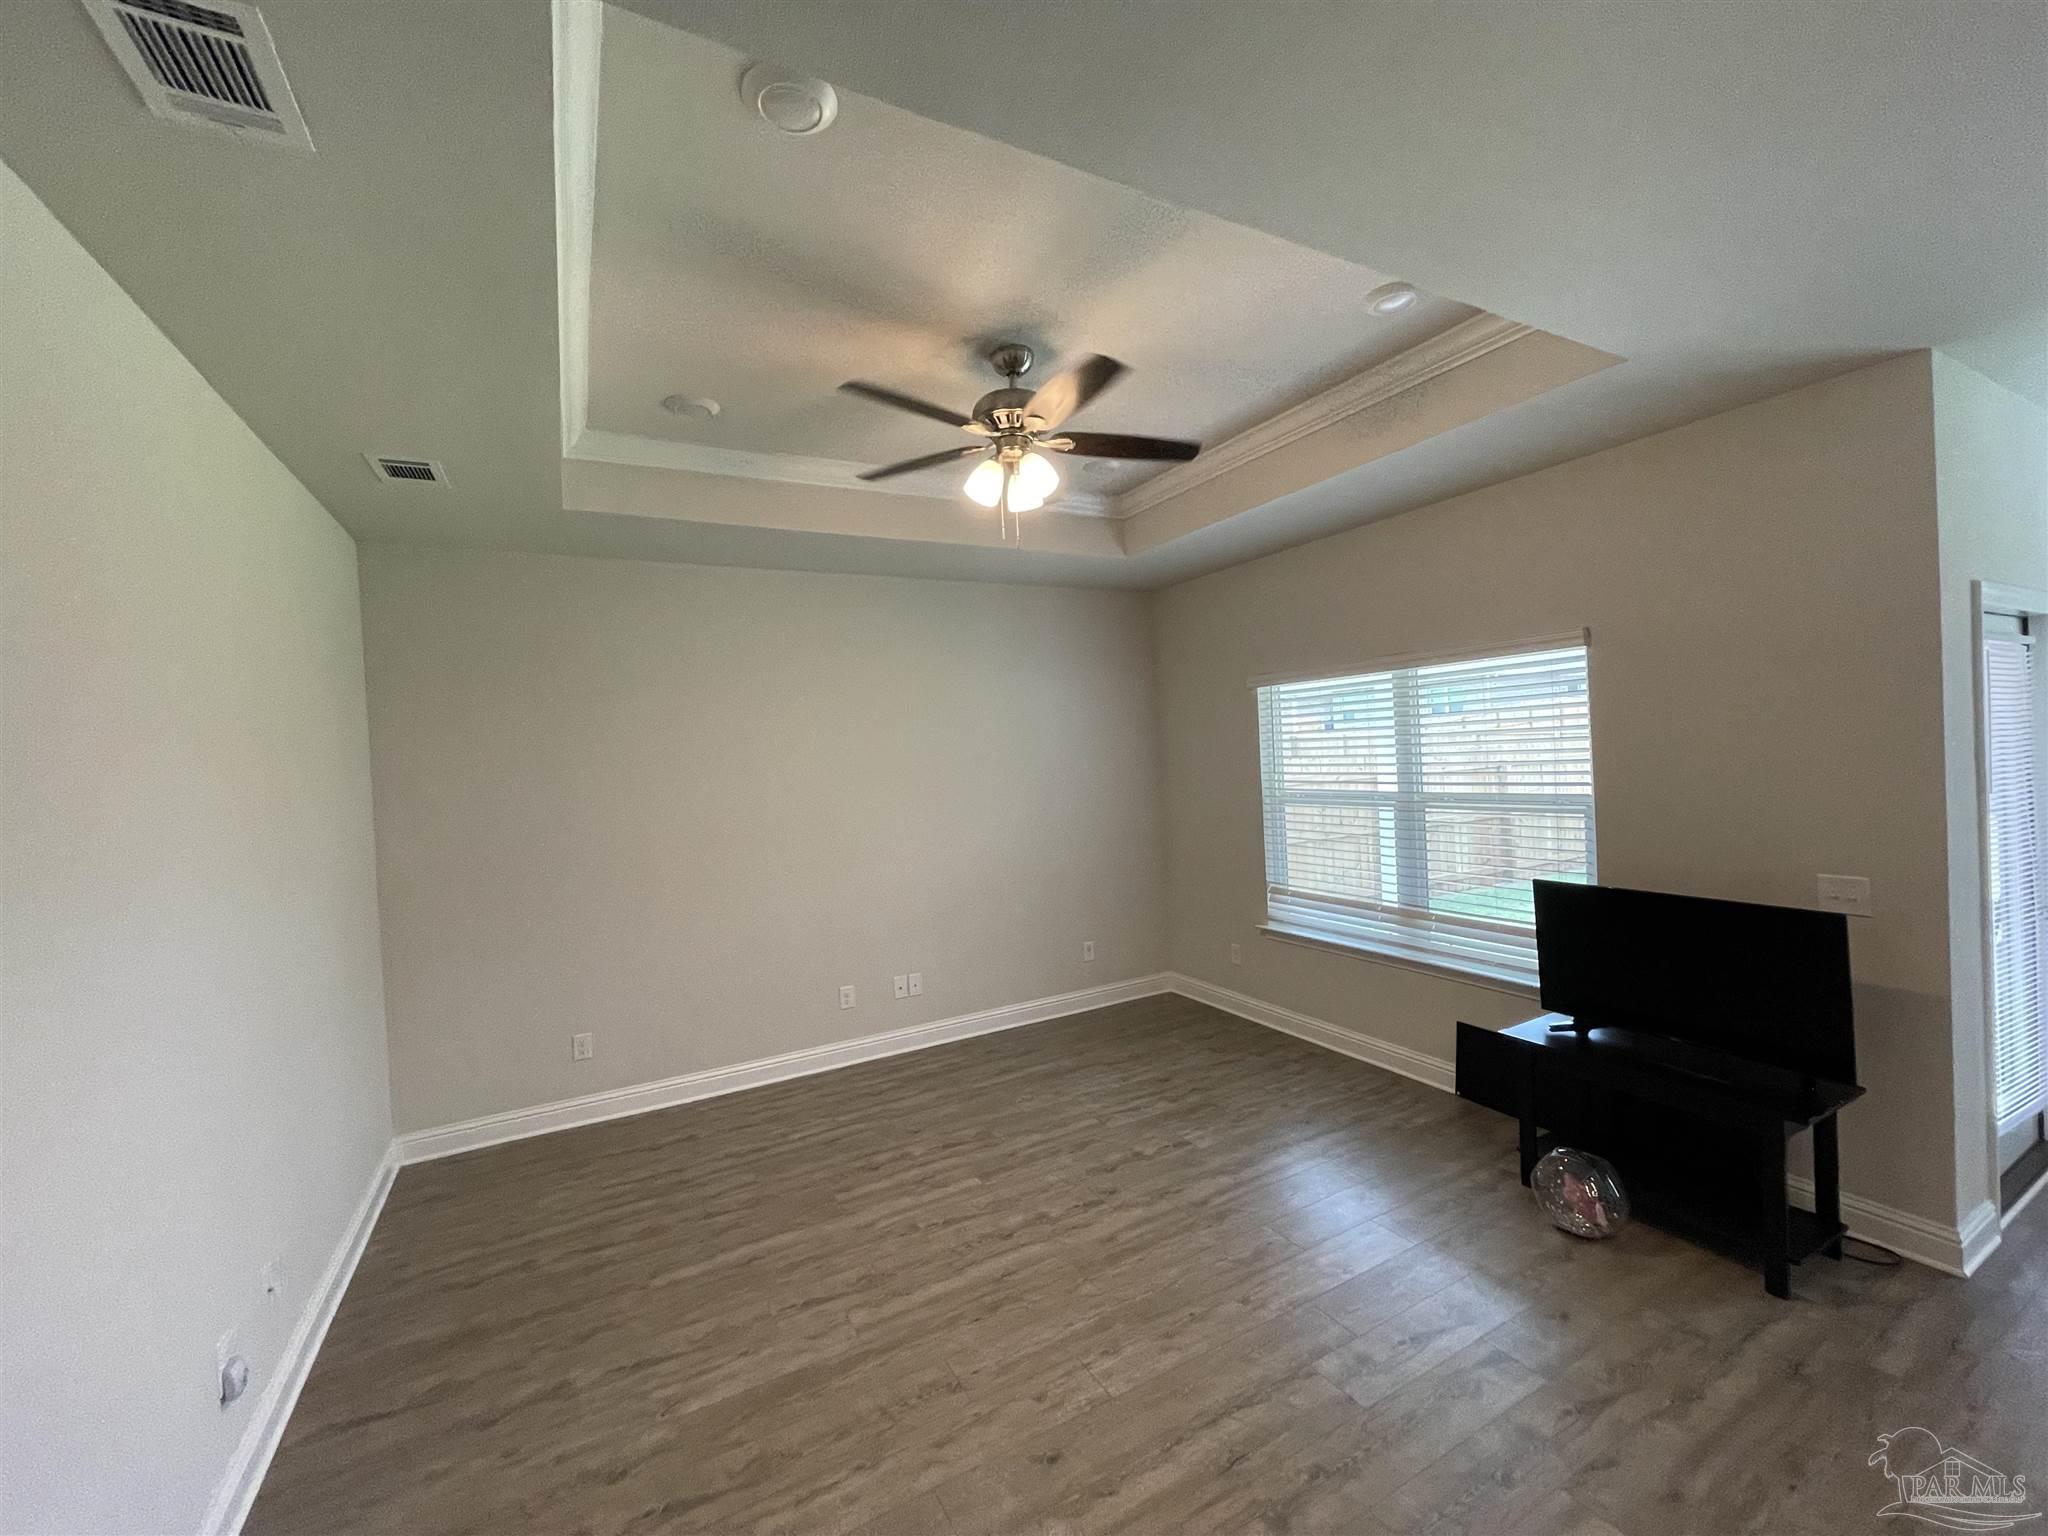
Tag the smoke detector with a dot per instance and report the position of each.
(1391, 298)
(793, 104)
(211, 65)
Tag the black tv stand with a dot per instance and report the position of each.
(1699, 1138)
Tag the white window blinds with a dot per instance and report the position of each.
(2014, 876)
(1408, 810)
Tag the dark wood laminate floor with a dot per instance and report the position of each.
(1148, 1269)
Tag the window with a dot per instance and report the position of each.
(1408, 810)
(2013, 872)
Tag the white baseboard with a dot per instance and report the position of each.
(1953, 1251)
(587, 1109)
(238, 1485)
(1947, 1249)
(1914, 1237)
(1981, 1233)
(1433, 1070)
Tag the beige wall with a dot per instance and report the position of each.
(192, 1067)
(1766, 695)
(1991, 477)
(679, 807)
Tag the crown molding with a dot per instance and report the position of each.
(578, 28)
(604, 447)
(579, 36)
(1465, 342)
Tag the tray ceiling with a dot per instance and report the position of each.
(707, 257)
(1736, 199)
(732, 262)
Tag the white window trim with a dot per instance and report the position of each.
(1518, 981)
(1469, 973)
(1351, 667)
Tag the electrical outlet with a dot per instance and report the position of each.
(1087, 949)
(1236, 954)
(902, 986)
(846, 997)
(917, 983)
(1845, 893)
(582, 1047)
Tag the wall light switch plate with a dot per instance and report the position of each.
(582, 1047)
(902, 986)
(846, 997)
(273, 1278)
(1236, 955)
(917, 983)
(1845, 893)
(1087, 949)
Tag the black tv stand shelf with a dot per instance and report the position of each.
(1699, 1138)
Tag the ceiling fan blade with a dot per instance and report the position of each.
(902, 402)
(887, 471)
(1119, 445)
(1066, 392)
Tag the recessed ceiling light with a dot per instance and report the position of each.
(687, 405)
(789, 103)
(1391, 298)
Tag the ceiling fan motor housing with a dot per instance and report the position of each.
(1015, 422)
(1002, 409)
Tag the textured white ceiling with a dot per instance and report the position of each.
(1736, 197)
(734, 262)
(1713, 190)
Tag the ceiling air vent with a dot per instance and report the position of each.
(208, 64)
(423, 471)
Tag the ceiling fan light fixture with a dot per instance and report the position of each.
(1032, 480)
(985, 486)
(1036, 480)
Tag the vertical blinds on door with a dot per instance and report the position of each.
(2013, 874)
(1409, 809)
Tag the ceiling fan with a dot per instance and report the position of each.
(1014, 428)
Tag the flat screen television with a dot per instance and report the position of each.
(1769, 984)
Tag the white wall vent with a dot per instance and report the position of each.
(212, 64)
(411, 471)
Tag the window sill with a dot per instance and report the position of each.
(1450, 970)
